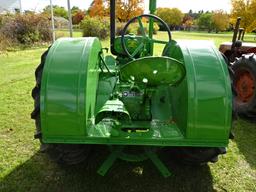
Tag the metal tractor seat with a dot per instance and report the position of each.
(153, 71)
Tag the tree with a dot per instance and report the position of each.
(246, 9)
(205, 21)
(57, 11)
(74, 10)
(220, 20)
(125, 10)
(194, 15)
(98, 8)
(173, 17)
(78, 17)
(188, 21)
(129, 9)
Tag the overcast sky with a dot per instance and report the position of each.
(184, 5)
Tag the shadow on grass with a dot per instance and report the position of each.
(39, 174)
(245, 137)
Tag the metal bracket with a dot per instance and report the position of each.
(117, 152)
(107, 164)
(158, 163)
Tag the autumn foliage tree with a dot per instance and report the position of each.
(220, 20)
(126, 10)
(98, 8)
(246, 9)
(78, 17)
(187, 22)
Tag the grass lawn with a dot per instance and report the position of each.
(216, 38)
(23, 168)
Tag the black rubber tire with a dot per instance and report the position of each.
(64, 154)
(245, 109)
(196, 155)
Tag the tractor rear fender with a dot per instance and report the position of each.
(69, 85)
(202, 102)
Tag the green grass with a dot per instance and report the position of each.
(23, 168)
(65, 33)
(178, 35)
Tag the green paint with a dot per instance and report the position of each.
(153, 71)
(195, 111)
(114, 109)
(152, 6)
(152, 10)
(158, 163)
(118, 152)
(182, 98)
(133, 42)
(69, 85)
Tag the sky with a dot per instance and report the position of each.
(183, 5)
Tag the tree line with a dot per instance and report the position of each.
(209, 20)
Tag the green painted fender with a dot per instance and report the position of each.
(69, 85)
(203, 101)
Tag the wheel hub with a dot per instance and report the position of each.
(244, 86)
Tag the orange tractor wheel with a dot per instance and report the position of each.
(245, 83)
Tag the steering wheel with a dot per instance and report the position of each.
(145, 37)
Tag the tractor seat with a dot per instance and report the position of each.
(153, 71)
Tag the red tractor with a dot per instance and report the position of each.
(242, 60)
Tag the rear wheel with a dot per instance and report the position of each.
(245, 82)
(196, 155)
(67, 154)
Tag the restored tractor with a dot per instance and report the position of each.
(133, 102)
(242, 59)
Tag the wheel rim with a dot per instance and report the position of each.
(245, 86)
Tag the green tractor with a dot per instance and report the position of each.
(132, 101)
